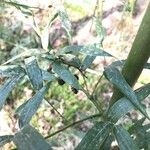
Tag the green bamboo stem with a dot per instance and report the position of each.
(138, 56)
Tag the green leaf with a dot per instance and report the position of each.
(91, 50)
(34, 73)
(75, 62)
(48, 76)
(31, 106)
(25, 53)
(65, 74)
(87, 62)
(107, 143)
(29, 139)
(48, 57)
(5, 139)
(123, 106)
(66, 24)
(120, 63)
(136, 126)
(100, 29)
(8, 87)
(124, 140)
(141, 133)
(95, 137)
(71, 60)
(117, 79)
(10, 70)
(20, 108)
(19, 5)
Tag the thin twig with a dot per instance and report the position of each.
(72, 124)
(85, 83)
(96, 6)
(20, 5)
(97, 84)
(56, 111)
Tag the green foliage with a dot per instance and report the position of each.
(123, 138)
(91, 50)
(8, 87)
(34, 73)
(5, 139)
(140, 131)
(87, 62)
(65, 74)
(29, 138)
(115, 77)
(65, 63)
(123, 106)
(30, 107)
(95, 137)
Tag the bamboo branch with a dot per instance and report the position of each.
(72, 124)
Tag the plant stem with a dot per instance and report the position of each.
(138, 56)
(56, 111)
(95, 87)
(72, 124)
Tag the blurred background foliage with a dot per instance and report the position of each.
(120, 19)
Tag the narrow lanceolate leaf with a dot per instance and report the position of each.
(95, 137)
(24, 54)
(107, 143)
(64, 73)
(141, 134)
(100, 29)
(5, 139)
(87, 62)
(124, 140)
(17, 5)
(120, 63)
(29, 139)
(117, 79)
(66, 24)
(136, 126)
(91, 50)
(71, 60)
(20, 108)
(10, 70)
(34, 73)
(123, 106)
(48, 76)
(8, 87)
(75, 62)
(31, 106)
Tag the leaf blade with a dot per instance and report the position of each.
(8, 87)
(123, 106)
(66, 24)
(48, 76)
(34, 73)
(31, 106)
(91, 50)
(10, 70)
(124, 140)
(95, 137)
(117, 79)
(29, 138)
(65, 75)
(87, 62)
(5, 139)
